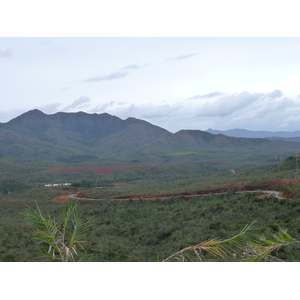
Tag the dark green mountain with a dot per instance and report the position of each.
(75, 137)
(35, 135)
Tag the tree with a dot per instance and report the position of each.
(60, 238)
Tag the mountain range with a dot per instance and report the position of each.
(279, 135)
(76, 137)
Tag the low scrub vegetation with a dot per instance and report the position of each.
(153, 230)
(141, 230)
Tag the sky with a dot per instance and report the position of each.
(182, 78)
(175, 83)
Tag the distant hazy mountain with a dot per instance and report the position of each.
(255, 134)
(78, 137)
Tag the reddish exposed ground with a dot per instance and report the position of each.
(61, 198)
(66, 197)
(271, 185)
(97, 170)
(279, 184)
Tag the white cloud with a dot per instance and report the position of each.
(210, 95)
(182, 57)
(227, 105)
(78, 103)
(265, 107)
(241, 110)
(292, 120)
(111, 76)
(134, 67)
(50, 108)
(102, 108)
(274, 94)
(253, 111)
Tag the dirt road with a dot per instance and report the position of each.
(78, 196)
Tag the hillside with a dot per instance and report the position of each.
(78, 137)
(35, 135)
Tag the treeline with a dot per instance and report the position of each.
(92, 183)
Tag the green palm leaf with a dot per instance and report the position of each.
(61, 237)
(245, 246)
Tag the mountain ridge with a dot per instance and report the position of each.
(36, 136)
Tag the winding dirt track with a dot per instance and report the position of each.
(79, 196)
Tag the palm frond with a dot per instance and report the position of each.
(81, 224)
(245, 246)
(67, 213)
(46, 227)
(262, 252)
(220, 248)
(60, 237)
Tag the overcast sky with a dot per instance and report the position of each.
(175, 83)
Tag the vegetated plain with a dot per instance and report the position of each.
(109, 158)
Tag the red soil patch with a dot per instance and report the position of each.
(276, 184)
(288, 194)
(80, 195)
(61, 198)
(97, 170)
(66, 197)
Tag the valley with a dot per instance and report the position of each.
(150, 192)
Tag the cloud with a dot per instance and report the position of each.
(210, 95)
(182, 57)
(247, 110)
(134, 67)
(225, 106)
(50, 108)
(146, 111)
(111, 76)
(102, 108)
(6, 53)
(65, 88)
(274, 94)
(291, 120)
(264, 108)
(78, 103)
(150, 111)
